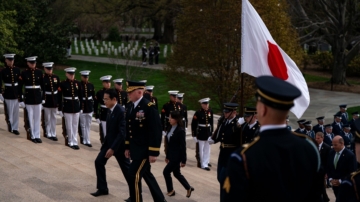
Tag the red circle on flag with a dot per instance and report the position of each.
(276, 62)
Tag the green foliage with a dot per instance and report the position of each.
(354, 67)
(114, 34)
(350, 110)
(314, 78)
(323, 59)
(7, 29)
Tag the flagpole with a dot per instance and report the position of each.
(242, 96)
(241, 111)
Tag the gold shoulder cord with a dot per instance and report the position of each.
(353, 181)
(242, 153)
(150, 103)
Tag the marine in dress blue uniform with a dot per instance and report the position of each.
(180, 98)
(32, 80)
(10, 93)
(87, 91)
(228, 135)
(149, 94)
(50, 101)
(277, 156)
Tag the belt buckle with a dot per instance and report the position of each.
(33, 86)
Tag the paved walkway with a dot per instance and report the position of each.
(107, 60)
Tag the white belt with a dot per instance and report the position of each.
(89, 98)
(204, 125)
(10, 84)
(103, 106)
(70, 98)
(32, 87)
(49, 93)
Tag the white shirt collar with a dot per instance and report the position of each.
(320, 144)
(137, 102)
(250, 126)
(341, 151)
(271, 127)
(112, 109)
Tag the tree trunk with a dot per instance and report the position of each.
(157, 29)
(339, 69)
(169, 31)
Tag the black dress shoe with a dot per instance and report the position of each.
(38, 140)
(172, 193)
(89, 145)
(33, 140)
(189, 192)
(100, 192)
(207, 168)
(128, 200)
(50, 138)
(55, 138)
(209, 164)
(76, 147)
(16, 132)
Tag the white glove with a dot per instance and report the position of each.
(43, 102)
(98, 121)
(210, 140)
(195, 139)
(22, 105)
(163, 133)
(241, 120)
(61, 114)
(185, 129)
(81, 111)
(2, 98)
(57, 112)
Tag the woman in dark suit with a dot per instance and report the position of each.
(175, 154)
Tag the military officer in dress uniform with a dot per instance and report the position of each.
(320, 126)
(355, 115)
(144, 54)
(301, 128)
(180, 98)
(50, 101)
(148, 94)
(343, 113)
(348, 137)
(87, 91)
(328, 135)
(227, 133)
(101, 112)
(32, 80)
(157, 52)
(121, 94)
(337, 124)
(308, 129)
(70, 100)
(202, 127)
(168, 107)
(266, 168)
(143, 140)
(11, 93)
(250, 129)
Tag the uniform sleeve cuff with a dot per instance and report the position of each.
(156, 149)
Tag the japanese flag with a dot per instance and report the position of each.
(260, 55)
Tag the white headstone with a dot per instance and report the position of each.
(115, 52)
(139, 53)
(109, 51)
(131, 53)
(97, 42)
(101, 50)
(129, 46)
(136, 43)
(76, 50)
(122, 45)
(83, 51)
(89, 50)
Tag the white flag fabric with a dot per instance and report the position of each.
(260, 55)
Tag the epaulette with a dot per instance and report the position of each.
(150, 103)
(301, 135)
(353, 174)
(248, 145)
(128, 101)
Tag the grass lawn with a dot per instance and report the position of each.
(314, 78)
(153, 77)
(162, 60)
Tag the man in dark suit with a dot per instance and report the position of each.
(320, 126)
(113, 143)
(143, 140)
(337, 124)
(278, 165)
(324, 150)
(340, 164)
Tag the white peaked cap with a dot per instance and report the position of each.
(204, 100)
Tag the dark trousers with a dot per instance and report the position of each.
(151, 60)
(157, 59)
(141, 169)
(336, 190)
(174, 167)
(197, 155)
(221, 175)
(100, 163)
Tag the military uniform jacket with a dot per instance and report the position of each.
(50, 90)
(349, 190)
(121, 97)
(165, 112)
(279, 157)
(10, 77)
(248, 134)
(143, 130)
(318, 128)
(151, 99)
(310, 133)
(100, 110)
(144, 51)
(157, 50)
(185, 118)
(87, 91)
(202, 125)
(69, 96)
(336, 128)
(32, 80)
(300, 130)
(228, 134)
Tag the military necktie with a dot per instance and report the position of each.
(336, 159)
(132, 107)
